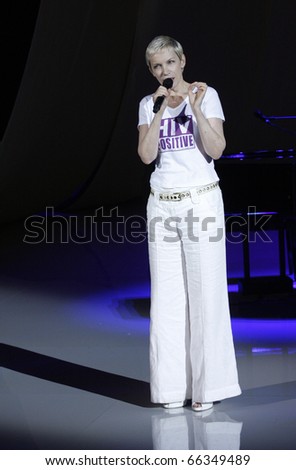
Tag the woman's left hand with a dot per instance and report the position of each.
(196, 92)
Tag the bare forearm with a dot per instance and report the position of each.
(213, 142)
(148, 143)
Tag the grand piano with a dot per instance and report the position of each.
(262, 182)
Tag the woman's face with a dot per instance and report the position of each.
(166, 64)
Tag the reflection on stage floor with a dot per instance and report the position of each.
(74, 356)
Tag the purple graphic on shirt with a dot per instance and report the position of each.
(176, 133)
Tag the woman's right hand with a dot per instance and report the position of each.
(162, 91)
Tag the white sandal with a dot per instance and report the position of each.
(196, 406)
(176, 404)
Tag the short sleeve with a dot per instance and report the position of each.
(144, 111)
(211, 106)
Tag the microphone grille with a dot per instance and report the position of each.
(168, 83)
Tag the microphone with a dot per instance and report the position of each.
(168, 83)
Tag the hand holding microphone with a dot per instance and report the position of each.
(167, 83)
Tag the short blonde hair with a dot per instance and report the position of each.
(163, 42)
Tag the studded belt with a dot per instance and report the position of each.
(185, 194)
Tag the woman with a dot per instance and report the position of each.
(181, 130)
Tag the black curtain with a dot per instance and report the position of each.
(68, 108)
(71, 139)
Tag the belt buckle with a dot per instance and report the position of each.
(172, 196)
(183, 195)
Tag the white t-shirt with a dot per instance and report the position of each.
(181, 160)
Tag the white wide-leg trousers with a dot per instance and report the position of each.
(191, 345)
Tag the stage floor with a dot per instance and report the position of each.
(74, 357)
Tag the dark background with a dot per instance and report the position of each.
(73, 72)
